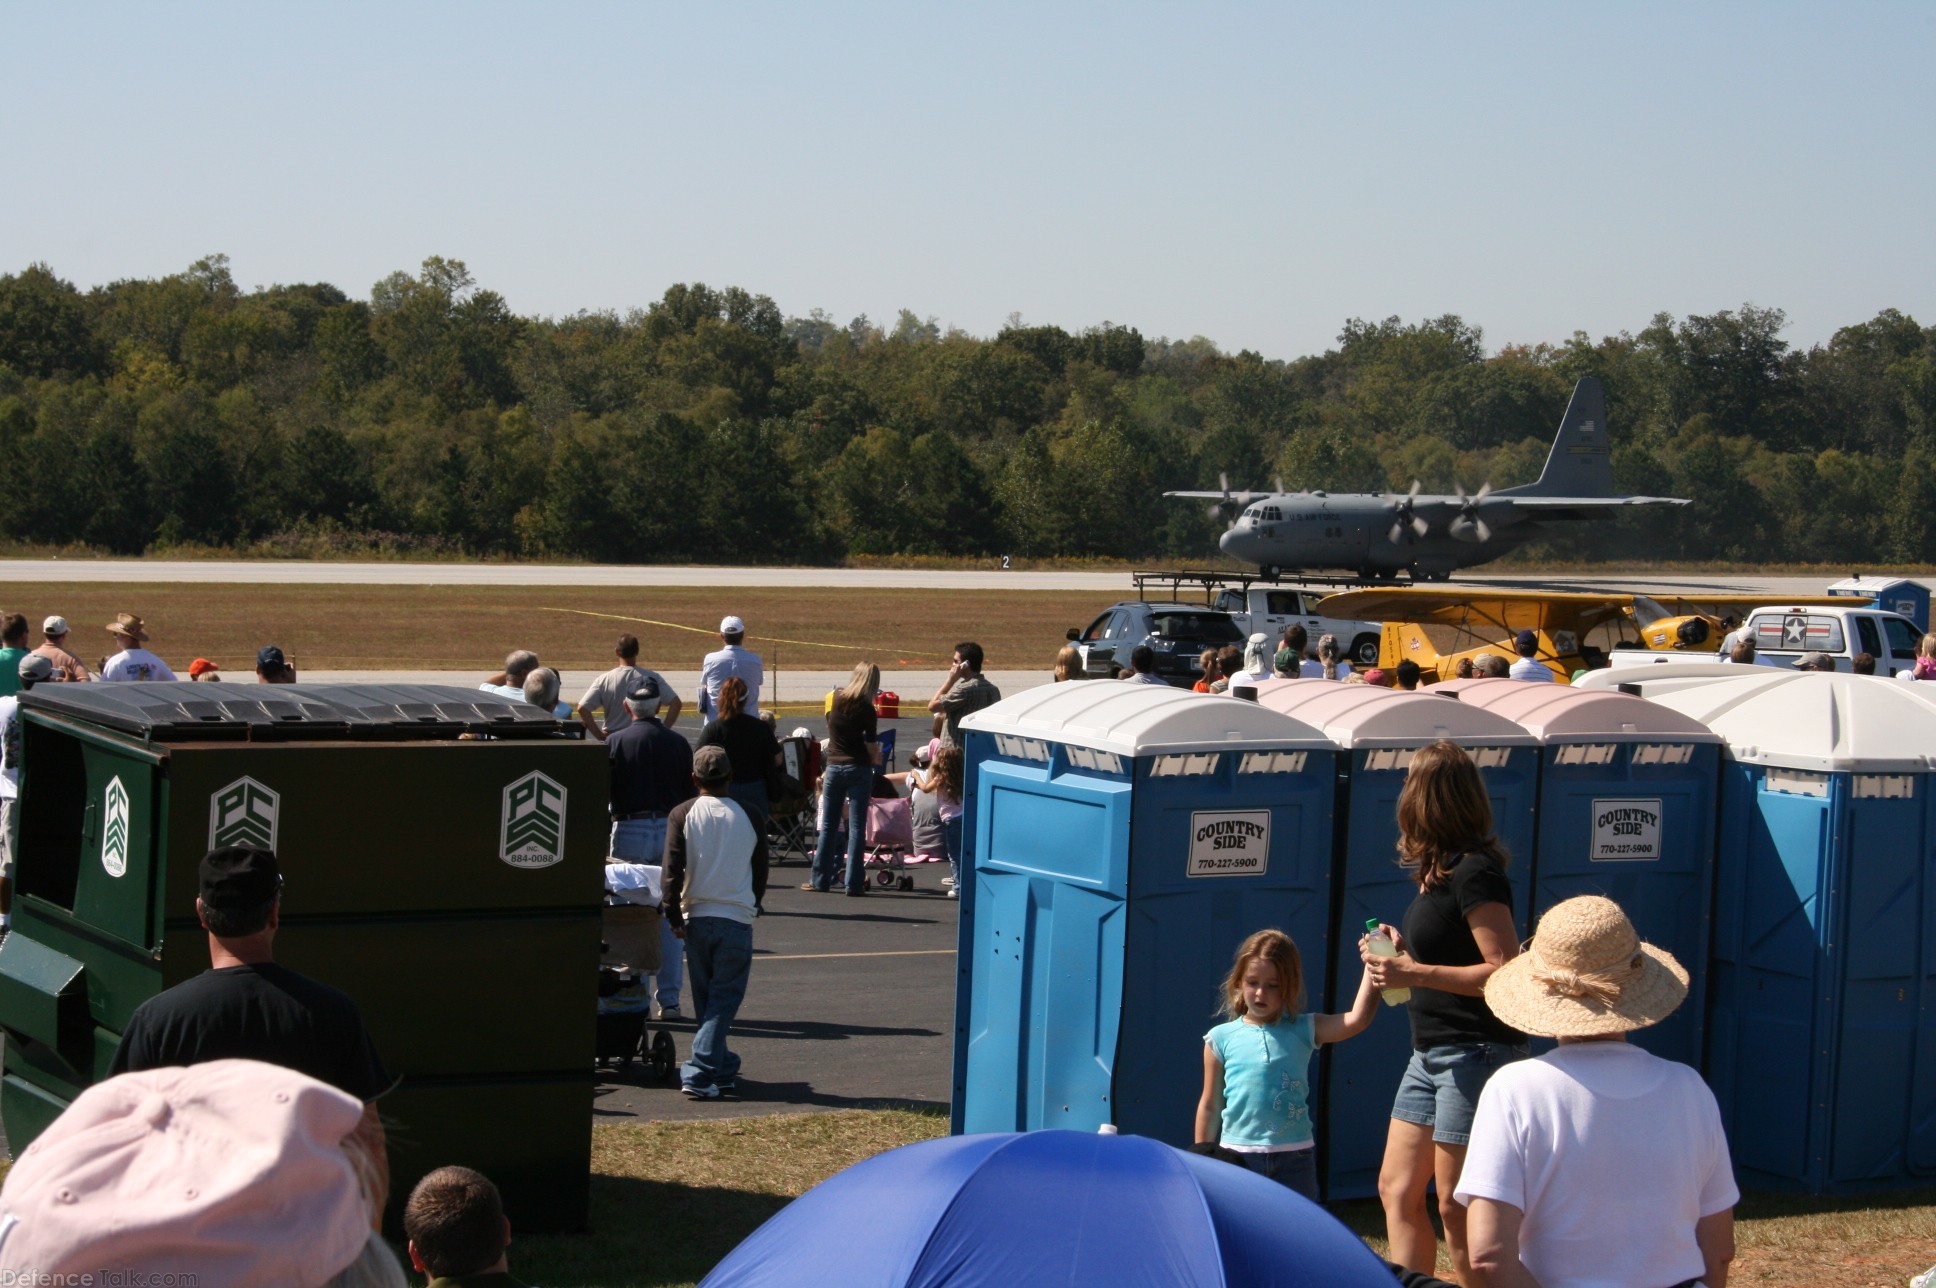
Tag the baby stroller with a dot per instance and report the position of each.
(628, 955)
(890, 842)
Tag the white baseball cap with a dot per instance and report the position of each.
(732, 626)
(54, 626)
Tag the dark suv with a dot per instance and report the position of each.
(1176, 633)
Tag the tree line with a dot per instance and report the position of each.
(183, 412)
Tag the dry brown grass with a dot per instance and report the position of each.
(347, 628)
(669, 1200)
(1790, 1240)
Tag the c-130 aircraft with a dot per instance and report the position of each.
(1379, 535)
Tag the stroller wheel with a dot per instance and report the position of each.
(907, 883)
(885, 878)
(663, 1055)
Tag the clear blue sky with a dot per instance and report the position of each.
(1252, 173)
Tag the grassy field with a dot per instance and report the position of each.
(347, 628)
(670, 1199)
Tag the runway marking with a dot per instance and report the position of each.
(905, 952)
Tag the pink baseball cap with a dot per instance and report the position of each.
(231, 1171)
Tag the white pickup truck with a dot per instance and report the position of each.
(1269, 608)
(1781, 635)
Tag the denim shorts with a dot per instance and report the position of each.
(1441, 1086)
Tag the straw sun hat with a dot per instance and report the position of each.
(1586, 973)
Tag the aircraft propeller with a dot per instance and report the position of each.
(1402, 510)
(1227, 504)
(1469, 526)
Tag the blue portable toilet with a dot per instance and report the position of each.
(1376, 731)
(1822, 989)
(1121, 841)
(1891, 594)
(1627, 792)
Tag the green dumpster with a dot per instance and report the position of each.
(451, 886)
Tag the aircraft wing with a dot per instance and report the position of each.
(1513, 610)
(1577, 507)
(1509, 610)
(1203, 496)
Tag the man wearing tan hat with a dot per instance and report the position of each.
(1597, 1162)
(133, 662)
(66, 665)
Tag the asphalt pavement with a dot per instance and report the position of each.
(1115, 583)
(850, 1002)
(850, 1005)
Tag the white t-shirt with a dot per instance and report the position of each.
(136, 664)
(1310, 669)
(1527, 668)
(717, 841)
(1611, 1153)
(9, 747)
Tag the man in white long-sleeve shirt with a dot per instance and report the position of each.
(715, 878)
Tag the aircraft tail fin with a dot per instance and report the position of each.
(1579, 464)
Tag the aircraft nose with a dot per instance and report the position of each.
(1234, 542)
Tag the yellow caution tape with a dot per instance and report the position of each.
(700, 630)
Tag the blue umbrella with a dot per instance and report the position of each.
(1049, 1207)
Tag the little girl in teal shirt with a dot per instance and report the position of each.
(1256, 1068)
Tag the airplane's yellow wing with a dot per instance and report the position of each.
(1548, 609)
(1510, 610)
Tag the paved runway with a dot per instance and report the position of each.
(305, 572)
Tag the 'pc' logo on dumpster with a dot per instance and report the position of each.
(532, 834)
(243, 813)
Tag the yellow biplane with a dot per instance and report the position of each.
(1437, 626)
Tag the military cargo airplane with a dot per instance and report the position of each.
(1379, 535)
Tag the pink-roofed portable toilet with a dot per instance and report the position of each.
(1626, 806)
(1376, 731)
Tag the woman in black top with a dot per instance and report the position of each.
(1458, 930)
(750, 746)
(853, 749)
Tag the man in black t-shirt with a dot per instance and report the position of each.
(245, 1006)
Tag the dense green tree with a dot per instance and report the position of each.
(44, 326)
(709, 425)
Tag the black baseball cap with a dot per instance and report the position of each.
(647, 691)
(269, 658)
(239, 878)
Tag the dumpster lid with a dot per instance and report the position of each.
(1556, 713)
(184, 711)
(1141, 719)
(1365, 715)
(1815, 720)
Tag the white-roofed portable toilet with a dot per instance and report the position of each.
(1891, 594)
(1376, 731)
(1121, 840)
(1822, 990)
(1627, 792)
